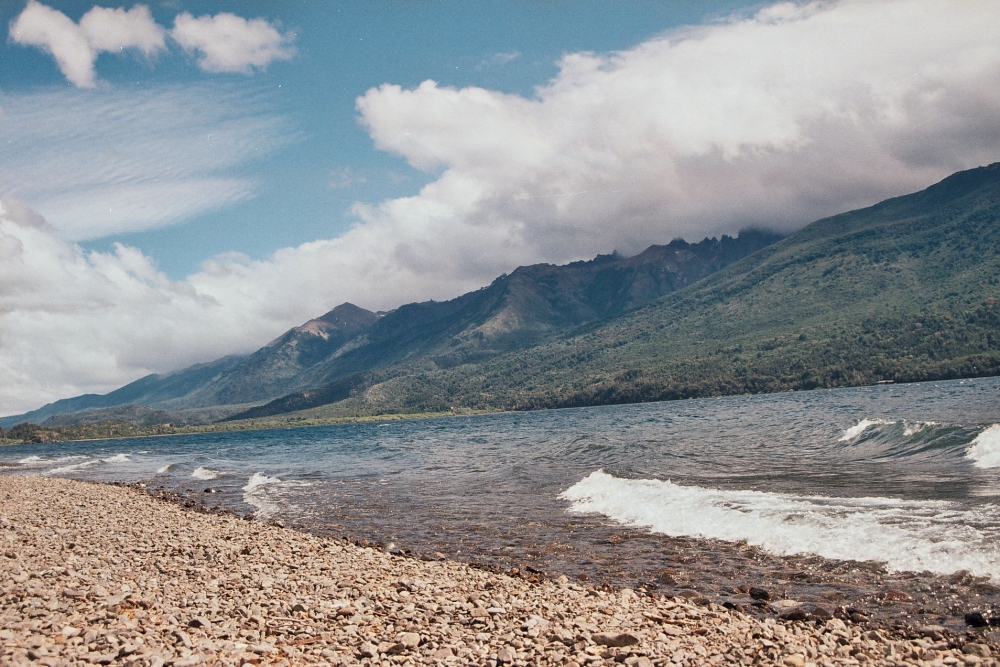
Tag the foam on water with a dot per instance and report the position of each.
(160, 471)
(255, 494)
(71, 468)
(912, 428)
(859, 428)
(906, 535)
(985, 449)
(205, 473)
(39, 462)
(117, 458)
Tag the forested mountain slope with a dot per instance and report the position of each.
(904, 290)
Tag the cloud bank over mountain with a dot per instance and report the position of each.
(775, 119)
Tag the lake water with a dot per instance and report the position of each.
(908, 475)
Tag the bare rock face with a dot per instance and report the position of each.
(106, 575)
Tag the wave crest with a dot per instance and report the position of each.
(906, 535)
(984, 451)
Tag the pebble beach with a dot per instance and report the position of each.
(100, 574)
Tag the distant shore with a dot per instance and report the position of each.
(98, 574)
(120, 430)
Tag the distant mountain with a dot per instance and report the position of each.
(333, 355)
(905, 290)
(150, 390)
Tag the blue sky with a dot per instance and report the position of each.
(185, 180)
(303, 191)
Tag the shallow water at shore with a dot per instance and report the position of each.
(703, 494)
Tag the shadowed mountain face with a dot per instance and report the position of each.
(335, 351)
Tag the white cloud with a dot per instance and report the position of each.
(230, 43)
(76, 46)
(799, 111)
(776, 119)
(125, 161)
(73, 321)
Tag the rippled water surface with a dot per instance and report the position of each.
(903, 474)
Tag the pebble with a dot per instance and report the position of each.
(111, 576)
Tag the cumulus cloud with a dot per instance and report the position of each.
(126, 161)
(774, 119)
(76, 46)
(230, 43)
(799, 111)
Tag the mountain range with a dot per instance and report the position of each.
(905, 290)
(350, 348)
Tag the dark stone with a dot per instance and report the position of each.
(615, 640)
(796, 614)
(975, 619)
(210, 490)
(822, 613)
(760, 593)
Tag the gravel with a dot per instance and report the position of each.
(96, 574)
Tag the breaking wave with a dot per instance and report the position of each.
(859, 428)
(255, 494)
(985, 449)
(205, 473)
(906, 535)
(62, 470)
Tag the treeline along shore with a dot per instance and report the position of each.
(99, 574)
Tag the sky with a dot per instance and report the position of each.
(183, 180)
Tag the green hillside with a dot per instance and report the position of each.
(905, 290)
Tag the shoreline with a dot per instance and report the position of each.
(222, 427)
(731, 574)
(101, 574)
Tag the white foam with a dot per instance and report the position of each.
(255, 494)
(205, 473)
(916, 427)
(859, 428)
(906, 535)
(39, 462)
(71, 468)
(117, 458)
(160, 471)
(985, 449)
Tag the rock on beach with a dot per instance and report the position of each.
(101, 575)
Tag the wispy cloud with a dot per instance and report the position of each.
(121, 161)
(498, 60)
(344, 178)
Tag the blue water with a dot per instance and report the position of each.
(908, 475)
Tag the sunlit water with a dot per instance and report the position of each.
(903, 474)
